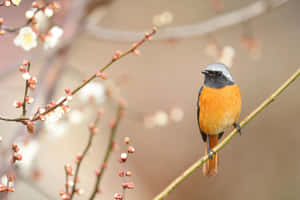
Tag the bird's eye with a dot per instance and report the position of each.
(218, 73)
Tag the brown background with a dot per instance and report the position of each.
(262, 164)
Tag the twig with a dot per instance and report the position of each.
(211, 25)
(108, 151)
(247, 119)
(25, 94)
(67, 179)
(92, 129)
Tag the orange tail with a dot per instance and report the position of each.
(210, 168)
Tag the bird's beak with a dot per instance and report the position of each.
(205, 72)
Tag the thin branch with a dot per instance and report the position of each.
(25, 94)
(82, 156)
(245, 121)
(67, 180)
(211, 25)
(108, 151)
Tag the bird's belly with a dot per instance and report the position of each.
(219, 109)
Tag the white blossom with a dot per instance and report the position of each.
(227, 56)
(55, 115)
(49, 12)
(176, 114)
(28, 151)
(27, 38)
(75, 117)
(29, 14)
(161, 118)
(53, 37)
(16, 2)
(163, 19)
(56, 129)
(95, 91)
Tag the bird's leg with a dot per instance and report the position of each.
(210, 152)
(238, 127)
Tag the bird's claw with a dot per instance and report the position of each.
(211, 153)
(238, 127)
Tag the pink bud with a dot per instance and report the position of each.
(123, 157)
(128, 173)
(68, 169)
(118, 196)
(121, 172)
(22, 69)
(26, 62)
(97, 172)
(131, 149)
(136, 52)
(127, 140)
(112, 123)
(67, 90)
(29, 99)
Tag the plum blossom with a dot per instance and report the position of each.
(16, 2)
(95, 91)
(56, 129)
(163, 19)
(53, 37)
(27, 38)
(29, 152)
(161, 118)
(55, 115)
(176, 114)
(75, 117)
(227, 56)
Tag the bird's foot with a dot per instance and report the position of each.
(210, 153)
(238, 127)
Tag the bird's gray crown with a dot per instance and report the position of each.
(219, 67)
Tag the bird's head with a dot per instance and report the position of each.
(217, 75)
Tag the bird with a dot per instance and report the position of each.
(218, 108)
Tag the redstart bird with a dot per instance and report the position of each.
(218, 108)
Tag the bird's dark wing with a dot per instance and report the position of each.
(204, 136)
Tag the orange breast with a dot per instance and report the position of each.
(219, 108)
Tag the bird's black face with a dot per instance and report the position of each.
(216, 79)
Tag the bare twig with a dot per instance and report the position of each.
(67, 180)
(25, 94)
(245, 121)
(92, 129)
(108, 151)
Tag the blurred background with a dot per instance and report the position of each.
(259, 40)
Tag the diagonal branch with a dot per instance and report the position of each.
(245, 121)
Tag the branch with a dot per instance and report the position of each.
(245, 121)
(25, 93)
(221, 21)
(108, 151)
(79, 159)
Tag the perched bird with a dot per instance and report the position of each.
(218, 108)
